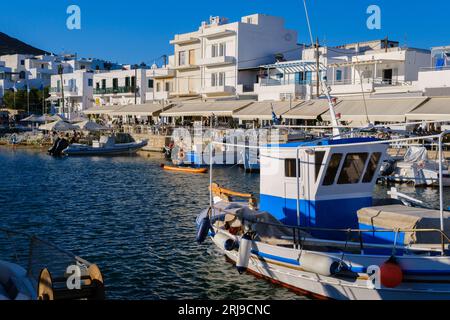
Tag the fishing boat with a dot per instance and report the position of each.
(318, 230)
(33, 269)
(112, 145)
(184, 169)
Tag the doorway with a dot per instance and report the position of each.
(387, 76)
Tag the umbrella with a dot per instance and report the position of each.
(57, 117)
(46, 118)
(32, 118)
(78, 119)
(58, 126)
(90, 126)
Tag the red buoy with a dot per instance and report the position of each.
(391, 273)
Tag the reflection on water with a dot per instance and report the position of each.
(133, 219)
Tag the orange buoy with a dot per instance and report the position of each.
(185, 169)
(391, 273)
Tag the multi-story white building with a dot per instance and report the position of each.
(120, 87)
(434, 80)
(77, 90)
(373, 67)
(223, 58)
(160, 82)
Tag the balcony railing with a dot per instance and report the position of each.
(68, 89)
(281, 82)
(114, 90)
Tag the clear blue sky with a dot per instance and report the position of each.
(136, 31)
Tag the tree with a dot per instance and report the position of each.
(21, 101)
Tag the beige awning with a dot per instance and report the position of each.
(308, 110)
(102, 110)
(433, 109)
(363, 62)
(380, 110)
(148, 109)
(206, 109)
(263, 110)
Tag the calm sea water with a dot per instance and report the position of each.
(134, 220)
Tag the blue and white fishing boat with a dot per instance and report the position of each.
(318, 229)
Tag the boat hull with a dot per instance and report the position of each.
(185, 170)
(125, 149)
(280, 267)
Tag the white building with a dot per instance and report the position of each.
(223, 59)
(160, 82)
(120, 87)
(77, 89)
(434, 80)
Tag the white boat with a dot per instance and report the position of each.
(106, 146)
(417, 169)
(34, 269)
(319, 231)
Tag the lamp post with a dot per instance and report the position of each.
(61, 72)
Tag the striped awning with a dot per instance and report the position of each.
(263, 110)
(149, 109)
(434, 109)
(308, 110)
(205, 109)
(375, 110)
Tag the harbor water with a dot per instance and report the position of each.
(136, 221)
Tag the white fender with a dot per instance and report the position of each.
(245, 251)
(315, 263)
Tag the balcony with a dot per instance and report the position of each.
(187, 67)
(184, 40)
(217, 61)
(114, 90)
(161, 73)
(217, 90)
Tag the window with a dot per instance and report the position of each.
(191, 57)
(127, 82)
(214, 51)
(167, 86)
(353, 168)
(218, 50)
(158, 87)
(97, 85)
(150, 83)
(115, 83)
(221, 78)
(22, 62)
(181, 58)
(290, 168)
(133, 82)
(338, 75)
(90, 82)
(213, 79)
(372, 167)
(332, 169)
(104, 84)
(319, 155)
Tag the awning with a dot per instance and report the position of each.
(295, 66)
(433, 109)
(102, 109)
(263, 110)
(363, 62)
(381, 110)
(308, 110)
(206, 109)
(148, 109)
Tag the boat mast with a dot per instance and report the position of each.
(337, 130)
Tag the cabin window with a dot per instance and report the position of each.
(332, 169)
(353, 168)
(372, 167)
(319, 155)
(290, 168)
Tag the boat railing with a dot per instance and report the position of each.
(299, 235)
(34, 254)
(311, 148)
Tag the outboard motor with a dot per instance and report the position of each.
(61, 145)
(51, 151)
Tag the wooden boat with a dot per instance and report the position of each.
(184, 169)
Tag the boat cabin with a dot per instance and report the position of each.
(332, 183)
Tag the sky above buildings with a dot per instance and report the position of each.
(137, 31)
